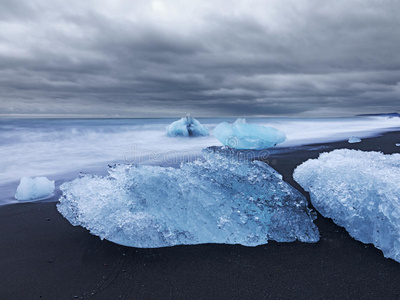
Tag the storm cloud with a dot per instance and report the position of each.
(211, 58)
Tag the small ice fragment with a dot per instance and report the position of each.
(187, 126)
(34, 188)
(354, 139)
(240, 135)
(398, 144)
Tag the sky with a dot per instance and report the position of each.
(164, 58)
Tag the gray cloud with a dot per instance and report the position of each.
(166, 58)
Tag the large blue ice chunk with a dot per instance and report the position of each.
(187, 126)
(248, 136)
(219, 199)
(360, 191)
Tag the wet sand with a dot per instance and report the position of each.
(42, 256)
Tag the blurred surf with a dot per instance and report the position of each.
(61, 148)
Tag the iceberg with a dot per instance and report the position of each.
(36, 188)
(187, 126)
(217, 199)
(360, 191)
(248, 136)
(354, 139)
(397, 144)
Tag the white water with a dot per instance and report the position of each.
(60, 148)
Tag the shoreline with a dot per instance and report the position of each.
(42, 256)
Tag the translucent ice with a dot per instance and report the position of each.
(248, 136)
(187, 126)
(34, 189)
(219, 199)
(354, 139)
(359, 191)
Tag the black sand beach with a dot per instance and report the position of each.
(42, 256)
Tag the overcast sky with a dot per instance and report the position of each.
(211, 58)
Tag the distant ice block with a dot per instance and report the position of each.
(360, 191)
(219, 199)
(187, 126)
(248, 136)
(354, 139)
(398, 144)
(36, 188)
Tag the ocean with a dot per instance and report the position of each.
(62, 148)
